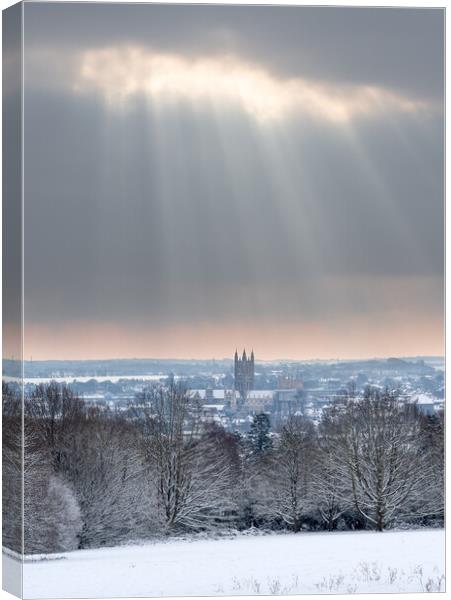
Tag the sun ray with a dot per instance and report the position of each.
(122, 72)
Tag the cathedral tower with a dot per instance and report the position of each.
(244, 374)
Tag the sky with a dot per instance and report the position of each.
(200, 178)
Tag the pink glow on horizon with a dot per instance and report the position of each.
(358, 337)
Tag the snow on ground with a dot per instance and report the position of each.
(339, 562)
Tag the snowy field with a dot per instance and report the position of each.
(348, 562)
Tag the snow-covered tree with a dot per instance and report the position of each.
(431, 443)
(330, 482)
(192, 477)
(12, 467)
(52, 521)
(107, 472)
(62, 505)
(51, 512)
(54, 410)
(380, 452)
(292, 472)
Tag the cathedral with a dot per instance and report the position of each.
(244, 374)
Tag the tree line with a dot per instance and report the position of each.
(94, 477)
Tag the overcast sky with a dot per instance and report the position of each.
(199, 178)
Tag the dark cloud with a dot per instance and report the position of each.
(161, 213)
(119, 209)
(395, 47)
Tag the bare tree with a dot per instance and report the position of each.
(52, 410)
(51, 512)
(93, 454)
(330, 482)
(190, 474)
(52, 520)
(380, 452)
(431, 443)
(292, 472)
(12, 467)
(107, 471)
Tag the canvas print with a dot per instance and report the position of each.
(223, 300)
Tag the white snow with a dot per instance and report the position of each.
(338, 562)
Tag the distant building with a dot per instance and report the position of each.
(288, 402)
(211, 396)
(289, 382)
(244, 374)
(259, 401)
(427, 404)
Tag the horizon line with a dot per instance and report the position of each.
(213, 359)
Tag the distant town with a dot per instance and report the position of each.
(232, 391)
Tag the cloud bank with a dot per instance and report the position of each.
(236, 173)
